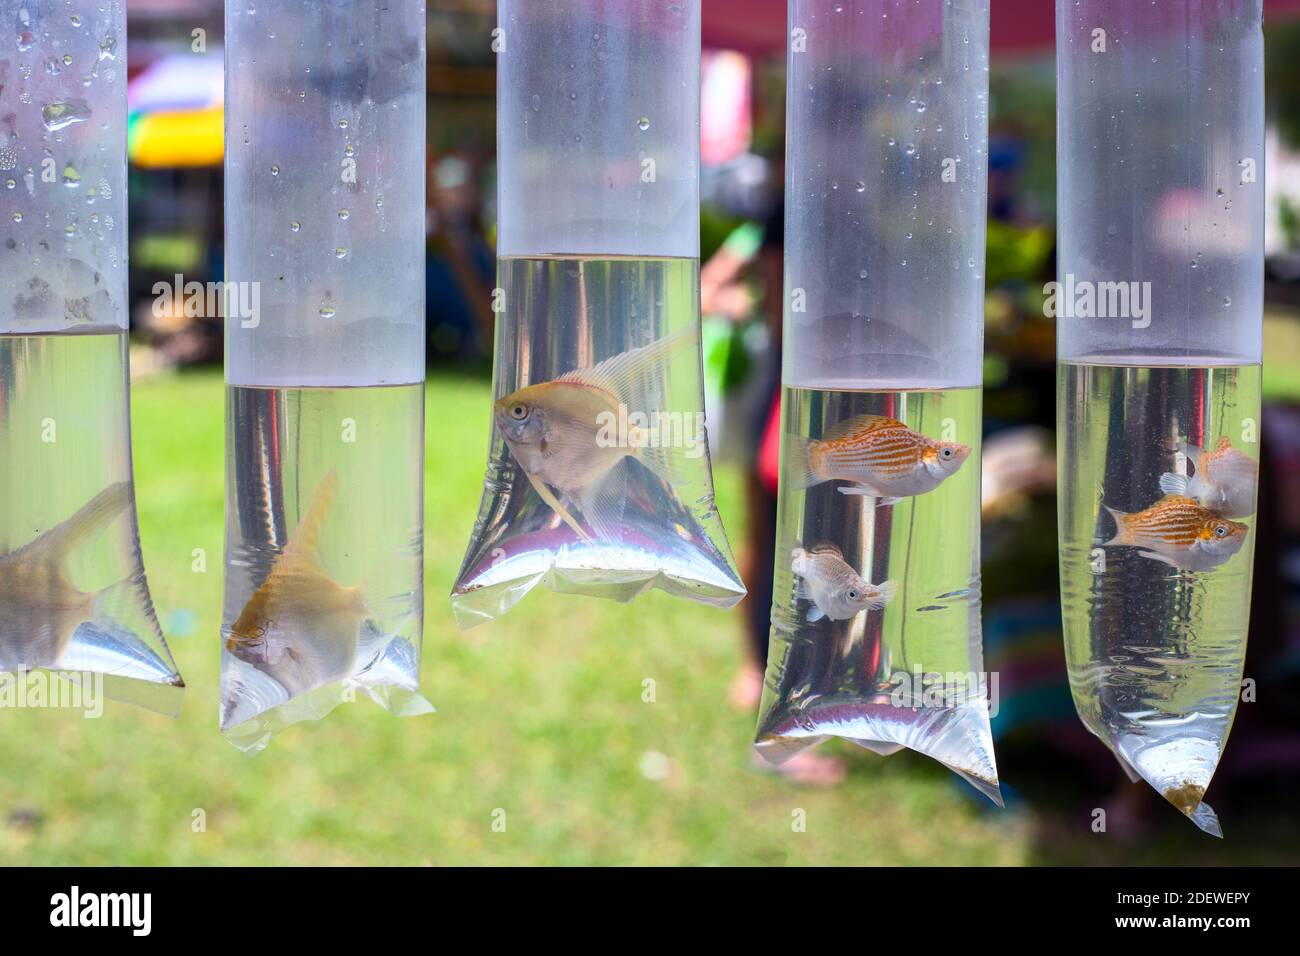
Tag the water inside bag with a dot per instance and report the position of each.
(1159, 470)
(876, 603)
(324, 554)
(73, 593)
(598, 478)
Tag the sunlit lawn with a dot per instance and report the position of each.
(540, 715)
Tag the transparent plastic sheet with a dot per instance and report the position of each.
(1159, 304)
(325, 378)
(73, 596)
(598, 480)
(876, 612)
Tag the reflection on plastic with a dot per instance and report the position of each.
(598, 475)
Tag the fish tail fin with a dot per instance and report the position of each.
(796, 463)
(306, 537)
(1121, 526)
(1174, 484)
(887, 591)
(90, 519)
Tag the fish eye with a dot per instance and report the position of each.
(1221, 529)
(853, 594)
(946, 452)
(519, 411)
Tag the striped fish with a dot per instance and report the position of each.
(881, 457)
(1179, 532)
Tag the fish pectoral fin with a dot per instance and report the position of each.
(1173, 484)
(887, 591)
(815, 613)
(604, 503)
(545, 494)
(629, 375)
(65, 537)
(1162, 558)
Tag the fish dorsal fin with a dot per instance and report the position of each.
(1174, 499)
(860, 424)
(826, 547)
(625, 375)
(305, 540)
(68, 535)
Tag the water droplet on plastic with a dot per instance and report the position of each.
(1226, 301)
(343, 123)
(327, 312)
(344, 214)
(17, 217)
(11, 183)
(71, 178)
(860, 186)
(275, 170)
(340, 252)
(862, 273)
(108, 47)
(25, 41)
(643, 123)
(67, 59)
(537, 102)
(295, 226)
(75, 20)
(910, 150)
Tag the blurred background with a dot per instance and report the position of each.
(541, 714)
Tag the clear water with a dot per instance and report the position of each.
(73, 594)
(351, 616)
(558, 314)
(1155, 653)
(909, 674)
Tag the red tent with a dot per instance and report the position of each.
(758, 27)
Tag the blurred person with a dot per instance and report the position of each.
(722, 291)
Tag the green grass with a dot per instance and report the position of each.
(539, 714)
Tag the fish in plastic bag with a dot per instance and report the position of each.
(598, 478)
(895, 664)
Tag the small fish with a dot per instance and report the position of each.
(1224, 480)
(834, 588)
(40, 609)
(559, 431)
(882, 457)
(300, 627)
(1179, 532)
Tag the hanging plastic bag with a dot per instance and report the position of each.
(876, 615)
(1159, 307)
(325, 376)
(598, 478)
(73, 595)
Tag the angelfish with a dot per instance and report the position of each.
(559, 431)
(1178, 531)
(835, 590)
(40, 609)
(1223, 480)
(301, 627)
(880, 456)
